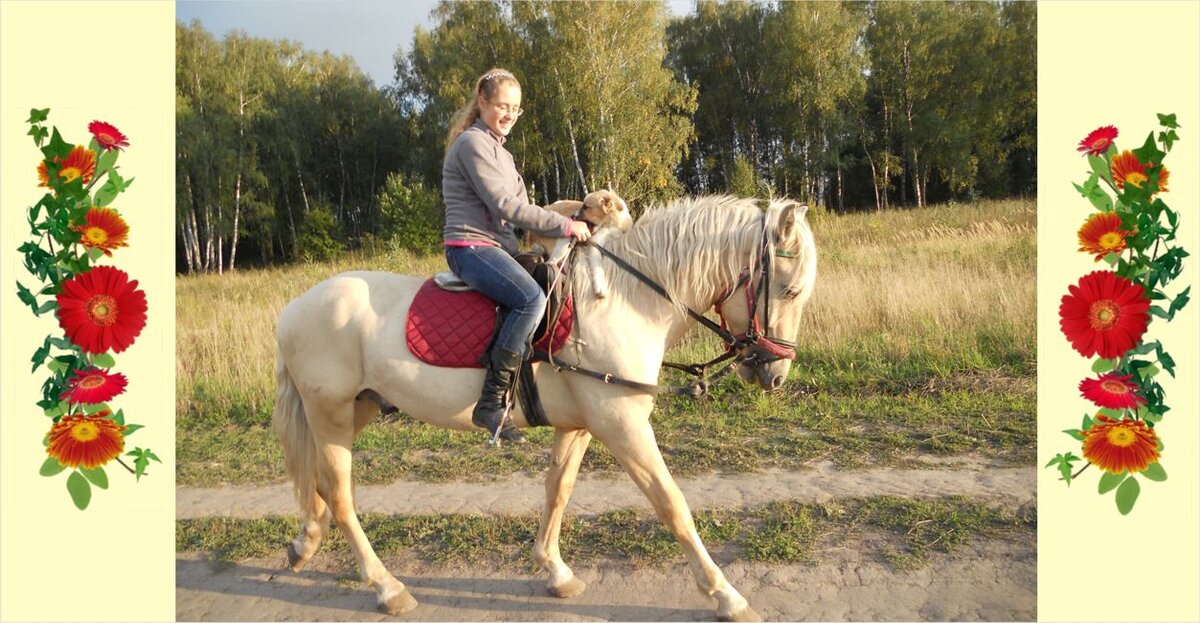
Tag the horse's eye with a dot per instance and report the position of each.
(791, 293)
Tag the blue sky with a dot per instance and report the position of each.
(370, 31)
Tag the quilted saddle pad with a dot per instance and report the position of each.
(452, 329)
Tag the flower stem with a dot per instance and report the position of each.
(125, 466)
(1073, 476)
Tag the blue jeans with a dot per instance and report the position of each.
(496, 275)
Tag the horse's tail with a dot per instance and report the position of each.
(299, 447)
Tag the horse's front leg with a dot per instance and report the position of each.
(632, 444)
(568, 451)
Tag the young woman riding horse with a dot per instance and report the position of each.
(485, 197)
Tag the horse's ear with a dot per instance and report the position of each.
(787, 222)
(791, 213)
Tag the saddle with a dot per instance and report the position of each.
(449, 325)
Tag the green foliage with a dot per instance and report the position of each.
(411, 214)
(319, 236)
(141, 460)
(744, 180)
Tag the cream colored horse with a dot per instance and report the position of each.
(341, 344)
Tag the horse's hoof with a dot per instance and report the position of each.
(295, 561)
(570, 588)
(745, 614)
(399, 603)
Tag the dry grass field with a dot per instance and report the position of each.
(920, 339)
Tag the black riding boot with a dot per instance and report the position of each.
(502, 369)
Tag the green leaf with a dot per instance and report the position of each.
(118, 417)
(56, 366)
(96, 476)
(1155, 472)
(1087, 422)
(80, 490)
(26, 296)
(51, 467)
(103, 360)
(93, 409)
(1092, 191)
(1167, 121)
(132, 428)
(1076, 433)
(38, 116)
(94, 254)
(1100, 167)
(1180, 300)
(1146, 154)
(1152, 417)
(1104, 365)
(1148, 371)
(58, 148)
(1112, 413)
(1155, 310)
(141, 460)
(1127, 495)
(1109, 481)
(47, 306)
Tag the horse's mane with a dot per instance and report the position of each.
(696, 247)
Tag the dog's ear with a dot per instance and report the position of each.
(607, 204)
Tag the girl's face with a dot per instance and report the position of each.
(500, 113)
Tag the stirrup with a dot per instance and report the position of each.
(450, 282)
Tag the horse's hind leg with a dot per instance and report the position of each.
(568, 451)
(317, 516)
(316, 525)
(334, 436)
(632, 444)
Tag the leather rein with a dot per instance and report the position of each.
(762, 348)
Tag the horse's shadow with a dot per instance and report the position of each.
(493, 598)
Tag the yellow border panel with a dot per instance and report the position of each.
(112, 61)
(1115, 63)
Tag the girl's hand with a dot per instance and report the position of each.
(580, 231)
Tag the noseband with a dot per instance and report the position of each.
(754, 347)
(757, 346)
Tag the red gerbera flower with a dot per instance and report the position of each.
(1098, 141)
(1119, 446)
(1127, 169)
(104, 230)
(1101, 234)
(81, 162)
(108, 136)
(102, 309)
(1112, 391)
(1104, 314)
(87, 441)
(93, 386)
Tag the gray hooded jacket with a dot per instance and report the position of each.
(485, 196)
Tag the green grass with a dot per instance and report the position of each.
(919, 340)
(900, 532)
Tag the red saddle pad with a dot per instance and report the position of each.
(452, 329)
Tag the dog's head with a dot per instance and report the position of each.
(604, 207)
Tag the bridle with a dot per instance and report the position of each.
(754, 347)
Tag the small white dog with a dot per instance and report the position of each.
(609, 217)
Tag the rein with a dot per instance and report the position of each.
(764, 348)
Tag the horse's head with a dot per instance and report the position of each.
(764, 308)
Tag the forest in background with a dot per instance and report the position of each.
(286, 154)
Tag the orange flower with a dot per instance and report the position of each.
(1127, 169)
(80, 163)
(1101, 234)
(104, 230)
(1118, 446)
(87, 441)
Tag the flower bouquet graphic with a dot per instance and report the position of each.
(98, 307)
(1107, 313)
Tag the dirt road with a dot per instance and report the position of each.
(986, 580)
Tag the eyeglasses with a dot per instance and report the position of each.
(508, 109)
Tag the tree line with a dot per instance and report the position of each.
(285, 154)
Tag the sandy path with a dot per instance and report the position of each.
(1009, 487)
(987, 580)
